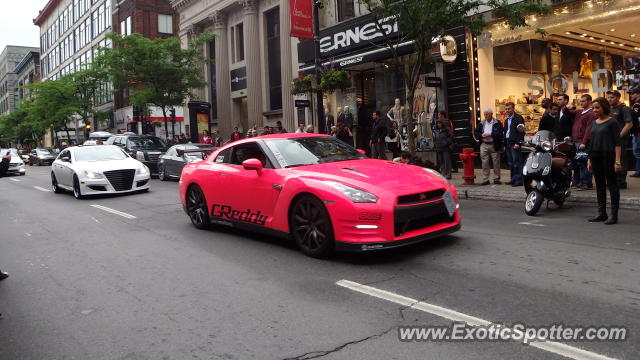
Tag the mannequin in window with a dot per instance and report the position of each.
(346, 117)
(328, 120)
(586, 66)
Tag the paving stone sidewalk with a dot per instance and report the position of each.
(629, 198)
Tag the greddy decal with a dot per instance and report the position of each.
(227, 212)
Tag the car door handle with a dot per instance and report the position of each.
(277, 186)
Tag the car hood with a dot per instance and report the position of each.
(370, 173)
(107, 165)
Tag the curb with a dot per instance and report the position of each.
(472, 192)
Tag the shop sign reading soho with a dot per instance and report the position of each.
(536, 83)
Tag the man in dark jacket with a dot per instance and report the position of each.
(565, 117)
(512, 139)
(549, 118)
(489, 133)
(4, 163)
(378, 132)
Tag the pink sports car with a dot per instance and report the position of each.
(319, 191)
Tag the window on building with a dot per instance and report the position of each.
(165, 24)
(346, 9)
(237, 34)
(272, 20)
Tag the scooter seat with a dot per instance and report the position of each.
(558, 162)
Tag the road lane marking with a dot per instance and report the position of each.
(96, 220)
(532, 223)
(452, 315)
(114, 211)
(12, 179)
(41, 188)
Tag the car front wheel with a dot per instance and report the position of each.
(76, 188)
(311, 227)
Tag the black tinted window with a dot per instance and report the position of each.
(247, 151)
(223, 156)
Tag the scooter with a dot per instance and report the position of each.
(548, 172)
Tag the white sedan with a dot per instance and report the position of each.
(100, 169)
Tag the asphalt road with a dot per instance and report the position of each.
(89, 284)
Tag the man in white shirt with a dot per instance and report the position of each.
(300, 129)
(489, 133)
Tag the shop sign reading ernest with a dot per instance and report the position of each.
(362, 34)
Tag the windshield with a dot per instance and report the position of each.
(148, 143)
(311, 150)
(101, 153)
(13, 152)
(542, 136)
(44, 152)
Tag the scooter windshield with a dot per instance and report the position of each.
(542, 136)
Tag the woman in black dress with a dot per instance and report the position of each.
(604, 160)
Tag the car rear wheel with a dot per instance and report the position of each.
(54, 184)
(197, 207)
(311, 227)
(77, 193)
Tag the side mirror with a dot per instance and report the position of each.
(361, 151)
(65, 159)
(180, 152)
(567, 139)
(520, 127)
(253, 164)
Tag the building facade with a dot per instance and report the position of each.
(251, 66)
(151, 19)
(10, 58)
(27, 72)
(71, 34)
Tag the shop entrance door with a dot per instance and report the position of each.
(366, 99)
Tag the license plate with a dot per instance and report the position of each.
(449, 203)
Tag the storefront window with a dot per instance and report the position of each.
(346, 9)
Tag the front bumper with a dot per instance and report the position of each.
(19, 170)
(353, 247)
(103, 186)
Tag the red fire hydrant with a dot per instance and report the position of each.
(467, 157)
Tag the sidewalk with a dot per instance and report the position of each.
(629, 198)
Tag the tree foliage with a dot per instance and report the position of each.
(426, 21)
(155, 71)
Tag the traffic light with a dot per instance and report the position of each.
(172, 114)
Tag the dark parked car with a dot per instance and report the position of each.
(171, 163)
(41, 156)
(146, 149)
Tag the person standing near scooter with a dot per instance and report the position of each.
(604, 160)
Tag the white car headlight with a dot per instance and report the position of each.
(93, 174)
(356, 195)
(431, 171)
(144, 170)
(140, 155)
(546, 146)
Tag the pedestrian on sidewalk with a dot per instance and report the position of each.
(581, 134)
(443, 141)
(489, 133)
(634, 95)
(548, 121)
(622, 114)
(378, 133)
(512, 139)
(565, 118)
(442, 115)
(393, 139)
(4, 164)
(604, 160)
(300, 129)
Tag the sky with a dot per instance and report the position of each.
(16, 22)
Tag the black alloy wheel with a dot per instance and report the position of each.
(162, 173)
(54, 184)
(76, 188)
(197, 207)
(311, 227)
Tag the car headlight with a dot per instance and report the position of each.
(144, 170)
(431, 171)
(140, 155)
(546, 146)
(356, 195)
(93, 174)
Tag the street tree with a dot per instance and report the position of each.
(155, 71)
(428, 21)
